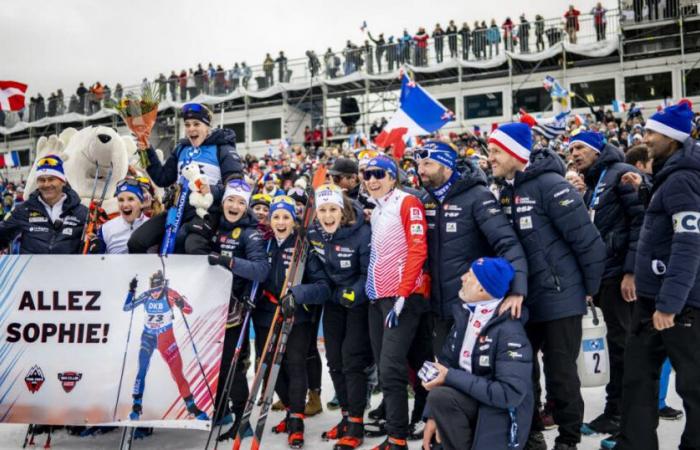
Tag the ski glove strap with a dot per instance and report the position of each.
(392, 319)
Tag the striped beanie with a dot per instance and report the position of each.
(513, 138)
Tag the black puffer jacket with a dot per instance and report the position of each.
(670, 237)
(468, 225)
(344, 257)
(40, 236)
(565, 254)
(618, 211)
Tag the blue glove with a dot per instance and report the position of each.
(392, 319)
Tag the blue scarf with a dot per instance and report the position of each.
(441, 192)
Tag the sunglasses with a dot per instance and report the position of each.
(378, 174)
(192, 107)
(129, 182)
(337, 178)
(237, 183)
(48, 162)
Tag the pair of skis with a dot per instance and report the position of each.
(276, 342)
(93, 219)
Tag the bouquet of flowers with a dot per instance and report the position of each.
(139, 113)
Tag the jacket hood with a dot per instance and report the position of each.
(609, 156)
(541, 162)
(687, 157)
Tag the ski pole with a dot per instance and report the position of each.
(196, 354)
(121, 376)
(234, 362)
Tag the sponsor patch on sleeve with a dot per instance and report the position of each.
(416, 214)
(416, 229)
(686, 222)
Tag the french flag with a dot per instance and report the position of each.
(419, 114)
(10, 159)
(12, 95)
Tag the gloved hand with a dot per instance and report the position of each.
(201, 227)
(133, 284)
(266, 231)
(392, 319)
(347, 298)
(180, 302)
(288, 304)
(221, 260)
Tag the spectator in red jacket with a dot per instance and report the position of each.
(183, 85)
(571, 17)
(508, 34)
(421, 40)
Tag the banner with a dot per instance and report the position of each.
(85, 338)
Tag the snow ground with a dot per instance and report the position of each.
(12, 436)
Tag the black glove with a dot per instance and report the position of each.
(221, 260)
(180, 302)
(347, 298)
(288, 304)
(201, 227)
(133, 284)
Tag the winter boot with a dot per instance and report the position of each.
(378, 412)
(282, 426)
(231, 432)
(295, 430)
(353, 437)
(547, 416)
(136, 408)
(277, 406)
(609, 442)
(392, 444)
(333, 404)
(337, 431)
(603, 424)
(535, 441)
(194, 410)
(313, 406)
(668, 413)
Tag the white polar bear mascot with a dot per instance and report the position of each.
(86, 153)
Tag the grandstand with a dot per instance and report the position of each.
(637, 59)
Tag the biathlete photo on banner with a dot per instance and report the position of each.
(370, 225)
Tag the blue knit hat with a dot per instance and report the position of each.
(196, 111)
(513, 138)
(494, 275)
(284, 202)
(675, 121)
(591, 139)
(441, 152)
(50, 165)
(382, 162)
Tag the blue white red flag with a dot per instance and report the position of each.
(419, 114)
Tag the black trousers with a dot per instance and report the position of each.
(617, 314)
(421, 351)
(441, 329)
(391, 347)
(644, 356)
(455, 415)
(238, 388)
(292, 382)
(560, 342)
(348, 351)
(314, 366)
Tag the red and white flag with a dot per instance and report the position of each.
(12, 95)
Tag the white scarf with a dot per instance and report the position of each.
(479, 317)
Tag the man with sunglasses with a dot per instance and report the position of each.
(344, 174)
(215, 153)
(465, 223)
(52, 219)
(395, 286)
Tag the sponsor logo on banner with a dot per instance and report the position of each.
(69, 380)
(34, 379)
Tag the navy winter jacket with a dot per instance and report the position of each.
(468, 225)
(313, 287)
(565, 254)
(217, 157)
(667, 266)
(344, 257)
(501, 378)
(40, 236)
(618, 211)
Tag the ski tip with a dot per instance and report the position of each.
(255, 445)
(237, 443)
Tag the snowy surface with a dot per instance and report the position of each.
(12, 436)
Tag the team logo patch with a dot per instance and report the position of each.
(451, 227)
(235, 233)
(526, 223)
(416, 229)
(416, 214)
(34, 379)
(69, 380)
